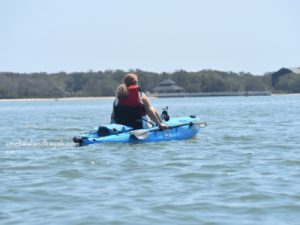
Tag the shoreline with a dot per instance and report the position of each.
(60, 99)
(92, 98)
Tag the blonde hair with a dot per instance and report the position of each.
(129, 79)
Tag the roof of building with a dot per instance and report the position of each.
(168, 85)
(294, 69)
(167, 81)
(168, 88)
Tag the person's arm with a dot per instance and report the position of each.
(150, 112)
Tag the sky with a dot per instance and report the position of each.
(255, 36)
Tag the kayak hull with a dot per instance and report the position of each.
(176, 133)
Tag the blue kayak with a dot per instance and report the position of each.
(179, 129)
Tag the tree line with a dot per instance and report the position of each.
(94, 84)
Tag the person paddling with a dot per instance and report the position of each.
(132, 107)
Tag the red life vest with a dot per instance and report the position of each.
(133, 99)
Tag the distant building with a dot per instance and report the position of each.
(282, 72)
(168, 86)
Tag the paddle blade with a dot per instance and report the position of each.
(199, 123)
(140, 134)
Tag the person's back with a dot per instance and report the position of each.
(133, 99)
(132, 105)
(130, 111)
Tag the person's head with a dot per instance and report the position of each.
(129, 79)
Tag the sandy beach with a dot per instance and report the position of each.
(285, 94)
(59, 99)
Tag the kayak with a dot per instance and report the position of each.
(179, 129)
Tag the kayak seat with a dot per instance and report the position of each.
(103, 131)
(128, 116)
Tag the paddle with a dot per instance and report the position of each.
(142, 134)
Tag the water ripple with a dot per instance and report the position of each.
(241, 169)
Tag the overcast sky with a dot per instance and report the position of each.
(254, 36)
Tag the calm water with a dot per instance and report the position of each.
(243, 168)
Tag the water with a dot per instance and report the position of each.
(243, 168)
